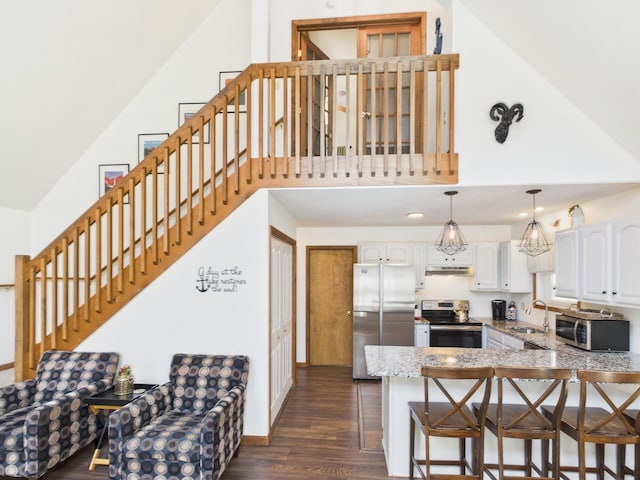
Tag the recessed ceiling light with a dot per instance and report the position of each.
(415, 215)
(523, 214)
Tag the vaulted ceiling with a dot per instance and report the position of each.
(70, 66)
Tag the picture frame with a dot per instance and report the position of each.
(109, 175)
(147, 142)
(188, 110)
(223, 79)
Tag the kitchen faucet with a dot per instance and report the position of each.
(546, 312)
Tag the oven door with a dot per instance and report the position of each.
(465, 336)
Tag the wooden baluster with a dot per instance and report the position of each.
(385, 107)
(154, 211)
(425, 118)
(297, 118)
(249, 132)
(374, 126)
(452, 156)
(347, 76)
(322, 140)
(438, 116)
(120, 253)
(225, 157)
(54, 297)
(236, 140)
(189, 191)
(272, 122)
(214, 137)
(178, 170)
(32, 316)
(76, 277)
(98, 260)
(361, 117)
(109, 259)
(412, 116)
(309, 122)
(334, 119)
(285, 121)
(87, 268)
(132, 232)
(143, 221)
(43, 305)
(65, 290)
(200, 181)
(260, 123)
(165, 192)
(398, 137)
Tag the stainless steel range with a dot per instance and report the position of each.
(449, 324)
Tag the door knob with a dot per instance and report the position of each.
(349, 312)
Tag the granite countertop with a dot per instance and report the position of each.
(390, 361)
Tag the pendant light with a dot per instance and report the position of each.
(534, 241)
(451, 240)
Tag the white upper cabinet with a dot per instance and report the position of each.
(595, 256)
(485, 267)
(437, 258)
(514, 274)
(384, 253)
(566, 264)
(626, 263)
(396, 253)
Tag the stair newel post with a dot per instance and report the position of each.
(22, 314)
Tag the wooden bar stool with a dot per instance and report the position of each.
(592, 424)
(452, 418)
(522, 418)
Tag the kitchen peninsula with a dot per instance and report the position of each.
(400, 367)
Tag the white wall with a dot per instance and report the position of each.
(171, 315)
(554, 142)
(14, 240)
(191, 75)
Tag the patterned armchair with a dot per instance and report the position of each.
(187, 429)
(45, 420)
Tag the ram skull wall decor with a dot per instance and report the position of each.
(505, 115)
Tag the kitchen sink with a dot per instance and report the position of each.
(525, 330)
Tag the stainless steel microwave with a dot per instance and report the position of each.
(602, 335)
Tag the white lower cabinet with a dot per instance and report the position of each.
(502, 341)
(421, 335)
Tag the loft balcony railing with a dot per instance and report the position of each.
(386, 121)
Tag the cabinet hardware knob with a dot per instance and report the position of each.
(614, 293)
(604, 291)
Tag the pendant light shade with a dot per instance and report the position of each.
(534, 241)
(451, 240)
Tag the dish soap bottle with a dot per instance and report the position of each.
(512, 313)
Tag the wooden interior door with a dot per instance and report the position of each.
(389, 41)
(329, 303)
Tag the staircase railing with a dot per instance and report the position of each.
(323, 123)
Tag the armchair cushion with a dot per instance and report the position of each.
(46, 420)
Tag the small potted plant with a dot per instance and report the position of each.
(124, 381)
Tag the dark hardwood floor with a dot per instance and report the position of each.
(321, 435)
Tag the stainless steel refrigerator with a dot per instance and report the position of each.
(383, 309)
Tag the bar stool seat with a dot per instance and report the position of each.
(524, 420)
(452, 418)
(601, 426)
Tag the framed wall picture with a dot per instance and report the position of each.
(109, 175)
(188, 110)
(224, 79)
(147, 142)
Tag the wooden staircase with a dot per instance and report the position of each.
(388, 112)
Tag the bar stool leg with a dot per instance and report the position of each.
(412, 445)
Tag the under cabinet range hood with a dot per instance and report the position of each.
(449, 270)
